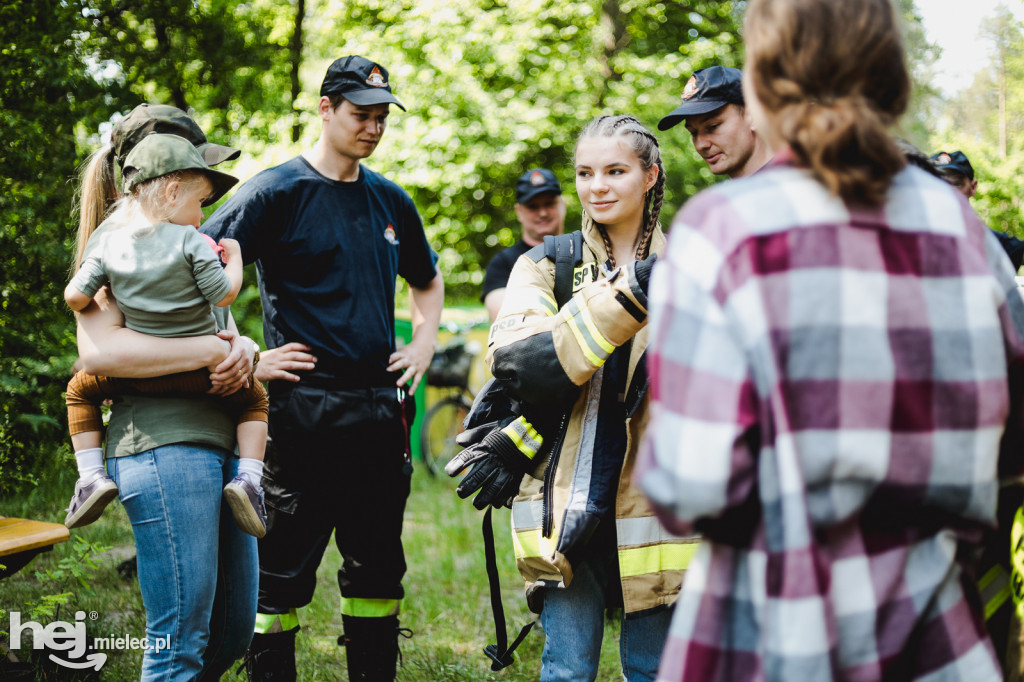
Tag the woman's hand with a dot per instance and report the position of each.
(232, 373)
(278, 363)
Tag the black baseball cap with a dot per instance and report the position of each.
(708, 89)
(163, 118)
(534, 182)
(953, 161)
(360, 81)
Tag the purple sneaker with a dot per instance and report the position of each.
(246, 502)
(89, 501)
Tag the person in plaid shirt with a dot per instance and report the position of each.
(836, 353)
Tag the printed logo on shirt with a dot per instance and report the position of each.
(389, 235)
(376, 78)
(582, 275)
(691, 88)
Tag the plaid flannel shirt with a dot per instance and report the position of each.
(830, 391)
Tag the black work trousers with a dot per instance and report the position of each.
(337, 460)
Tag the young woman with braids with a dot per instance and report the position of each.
(836, 354)
(585, 539)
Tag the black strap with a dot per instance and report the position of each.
(499, 653)
(566, 250)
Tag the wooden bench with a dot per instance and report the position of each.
(22, 539)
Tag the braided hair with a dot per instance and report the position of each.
(645, 146)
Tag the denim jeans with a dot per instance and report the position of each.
(197, 570)
(573, 622)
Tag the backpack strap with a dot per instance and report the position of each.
(566, 251)
(500, 652)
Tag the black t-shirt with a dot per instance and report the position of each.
(1013, 247)
(500, 267)
(327, 254)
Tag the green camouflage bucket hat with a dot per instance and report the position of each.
(161, 118)
(158, 154)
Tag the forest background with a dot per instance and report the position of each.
(493, 87)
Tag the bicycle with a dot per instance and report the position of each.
(449, 370)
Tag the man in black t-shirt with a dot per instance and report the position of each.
(329, 236)
(956, 169)
(540, 209)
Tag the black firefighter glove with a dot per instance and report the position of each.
(497, 464)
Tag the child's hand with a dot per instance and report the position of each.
(231, 250)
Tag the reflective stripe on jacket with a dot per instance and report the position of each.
(546, 356)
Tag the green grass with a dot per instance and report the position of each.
(446, 604)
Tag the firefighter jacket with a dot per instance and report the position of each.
(552, 359)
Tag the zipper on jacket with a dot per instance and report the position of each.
(547, 527)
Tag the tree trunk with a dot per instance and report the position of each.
(1002, 108)
(615, 38)
(295, 48)
(161, 30)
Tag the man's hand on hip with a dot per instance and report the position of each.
(412, 360)
(279, 363)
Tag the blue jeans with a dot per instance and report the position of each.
(197, 571)
(573, 622)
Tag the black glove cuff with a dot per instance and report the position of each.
(500, 444)
(642, 271)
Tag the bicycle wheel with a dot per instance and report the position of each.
(441, 424)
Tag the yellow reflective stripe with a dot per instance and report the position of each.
(995, 589)
(526, 438)
(598, 337)
(593, 345)
(268, 623)
(1017, 561)
(369, 608)
(548, 301)
(655, 558)
(530, 543)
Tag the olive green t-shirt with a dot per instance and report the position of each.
(140, 423)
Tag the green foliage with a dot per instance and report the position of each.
(921, 57)
(67, 67)
(446, 600)
(43, 90)
(59, 585)
(986, 122)
(496, 88)
(493, 88)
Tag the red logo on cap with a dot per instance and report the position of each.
(691, 88)
(536, 178)
(943, 159)
(376, 78)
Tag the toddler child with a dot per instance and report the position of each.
(165, 276)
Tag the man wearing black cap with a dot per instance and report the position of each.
(722, 134)
(957, 171)
(540, 210)
(329, 237)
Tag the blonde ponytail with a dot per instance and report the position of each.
(98, 193)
